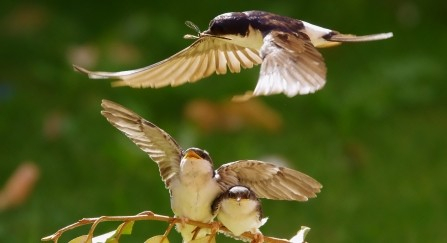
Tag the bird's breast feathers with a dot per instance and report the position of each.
(194, 200)
(242, 208)
(240, 217)
(195, 171)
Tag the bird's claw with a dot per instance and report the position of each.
(215, 226)
(258, 238)
(183, 220)
(170, 226)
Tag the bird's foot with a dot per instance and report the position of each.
(243, 97)
(195, 232)
(183, 220)
(258, 238)
(171, 225)
(215, 226)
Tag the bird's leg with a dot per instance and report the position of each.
(195, 232)
(183, 220)
(168, 230)
(215, 226)
(258, 237)
(243, 97)
(171, 225)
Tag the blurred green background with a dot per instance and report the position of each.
(375, 136)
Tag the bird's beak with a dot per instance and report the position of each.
(191, 154)
(207, 33)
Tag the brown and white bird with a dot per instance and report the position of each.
(239, 210)
(285, 48)
(189, 175)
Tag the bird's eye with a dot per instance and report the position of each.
(205, 155)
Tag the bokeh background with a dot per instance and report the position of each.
(375, 136)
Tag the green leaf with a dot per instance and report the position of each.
(205, 239)
(79, 239)
(125, 228)
(112, 236)
(157, 239)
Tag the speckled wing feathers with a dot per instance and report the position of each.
(268, 180)
(161, 147)
(291, 65)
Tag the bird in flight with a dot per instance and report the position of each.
(285, 48)
(189, 175)
(239, 210)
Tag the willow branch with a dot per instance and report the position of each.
(147, 215)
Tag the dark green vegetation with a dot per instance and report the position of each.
(375, 136)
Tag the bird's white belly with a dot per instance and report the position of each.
(193, 200)
(239, 218)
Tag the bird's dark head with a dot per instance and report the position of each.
(234, 23)
(239, 193)
(197, 154)
(196, 162)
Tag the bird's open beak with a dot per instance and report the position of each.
(192, 154)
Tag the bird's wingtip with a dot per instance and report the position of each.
(79, 69)
(82, 70)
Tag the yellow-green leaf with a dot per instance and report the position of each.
(111, 240)
(112, 236)
(157, 239)
(79, 239)
(205, 239)
(125, 228)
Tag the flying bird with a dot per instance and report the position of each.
(285, 48)
(239, 210)
(189, 175)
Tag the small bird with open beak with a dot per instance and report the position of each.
(239, 210)
(285, 48)
(189, 175)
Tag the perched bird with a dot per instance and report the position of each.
(239, 210)
(189, 175)
(285, 48)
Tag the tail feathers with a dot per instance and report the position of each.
(337, 37)
(322, 37)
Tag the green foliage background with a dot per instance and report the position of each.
(375, 136)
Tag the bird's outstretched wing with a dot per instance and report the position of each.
(268, 180)
(291, 65)
(207, 55)
(159, 145)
